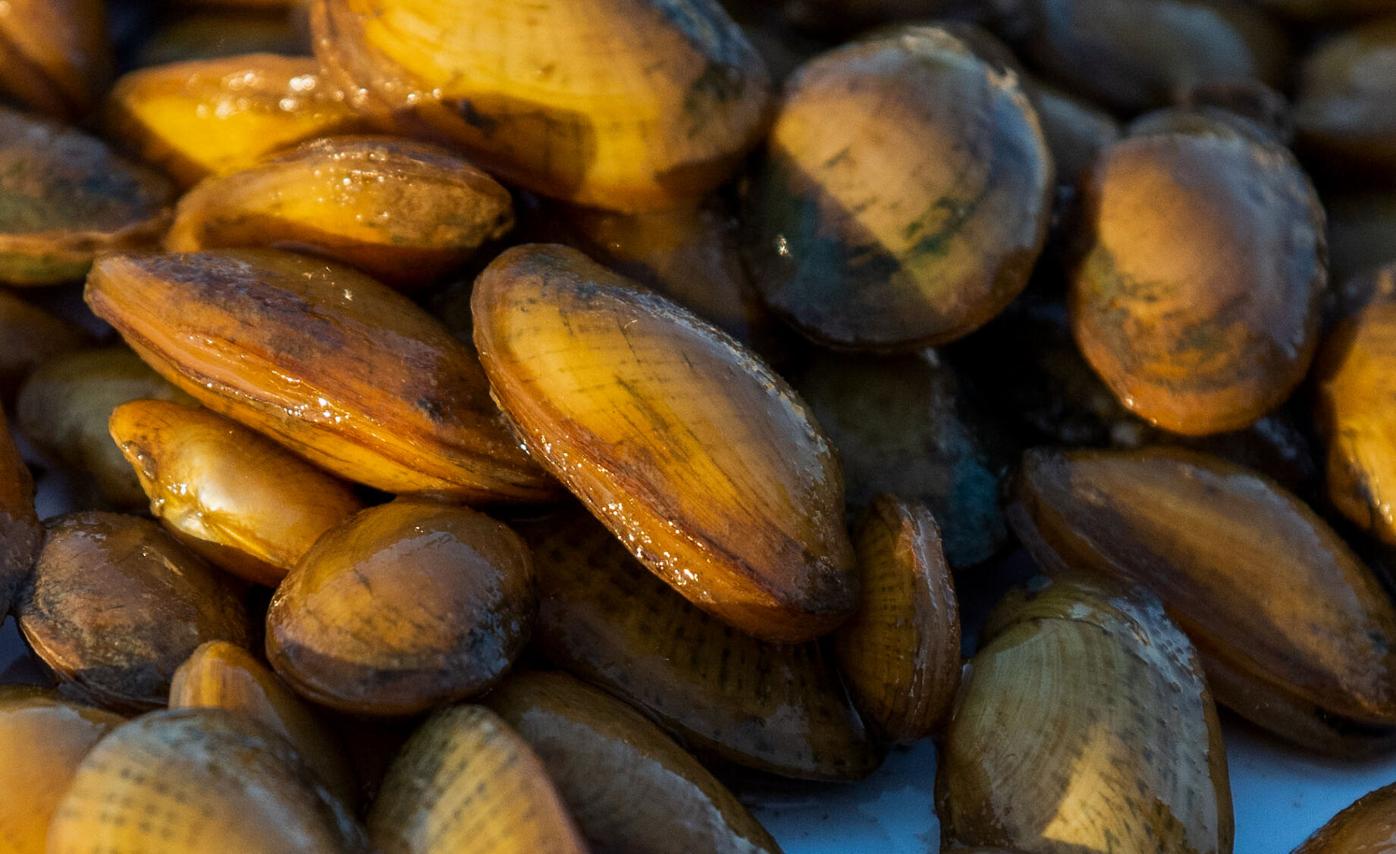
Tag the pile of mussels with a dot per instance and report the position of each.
(498, 422)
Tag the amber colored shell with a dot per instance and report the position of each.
(220, 675)
(30, 336)
(54, 55)
(214, 116)
(901, 651)
(1197, 290)
(43, 738)
(468, 784)
(64, 406)
(1345, 108)
(622, 104)
(20, 532)
(1085, 725)
(205, 779)
(64, 197)
(692, 451)
(404, 212)
(916, 216)
(402, 608)
(242, 501)
(115, 605)
(1295, 632)
(669, 804)
(722, 693)
(1366, 827)
(323, 359)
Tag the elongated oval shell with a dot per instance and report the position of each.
(467, 783)
(204, 779)
(1085, 725)
(1296, 633)
(21, 535)
(1196, 293)
(916, 216)
(901, 651)
(1366, 827)
(723, 693)
(42, 738)
(220, 675)
(64, 197)
(238, 499)
(54, 55)
(658, 117)
(209, 117)
(403, 607)
(692, 451)
(65, 405)
(404, 212)
(115, 605)
(324, 360)
(668, 803)
(1345, 109)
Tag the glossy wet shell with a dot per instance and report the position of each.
(1195, 297)
(211, 117)
(724, 694)
(1356, 385)
(402, 211)
(1296, 633)
(901, 651)
(199, 778)
(918, 215)
(467, 783)
(115, 605)
(403, 607)
(926, 442)
(1085, 725)
(21, 535)
(1135, 54)
(242, 501)
(219, 675)
(622, 104)
(64, 406)
(324, 360)
(30, 336)
(1366, 827)
(1345, 109)
(64, 197)
(54, 55)
(633, 403)
(43, 739)
(589, 742)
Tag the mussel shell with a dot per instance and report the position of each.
(21, 535)
(668, 801)
(1368, 826)
(901, 651)
(1085, 725)
(43, 738)
(54, 55)
(114, 606)
(64, 197)
(404, 212)
(222, 32)
(1296, 633)
(238, 499)
(659, 117)
(723, 693)
(219, 675)
(903, 425)
(1196, 292)
(214, 116)
(204, 779)
(323, 359)
(914, 218)
(64, 406)
(468, 784)
(30, 336)
(690, 449)
(403, 607)
(1346, 105)
(1075, 129)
